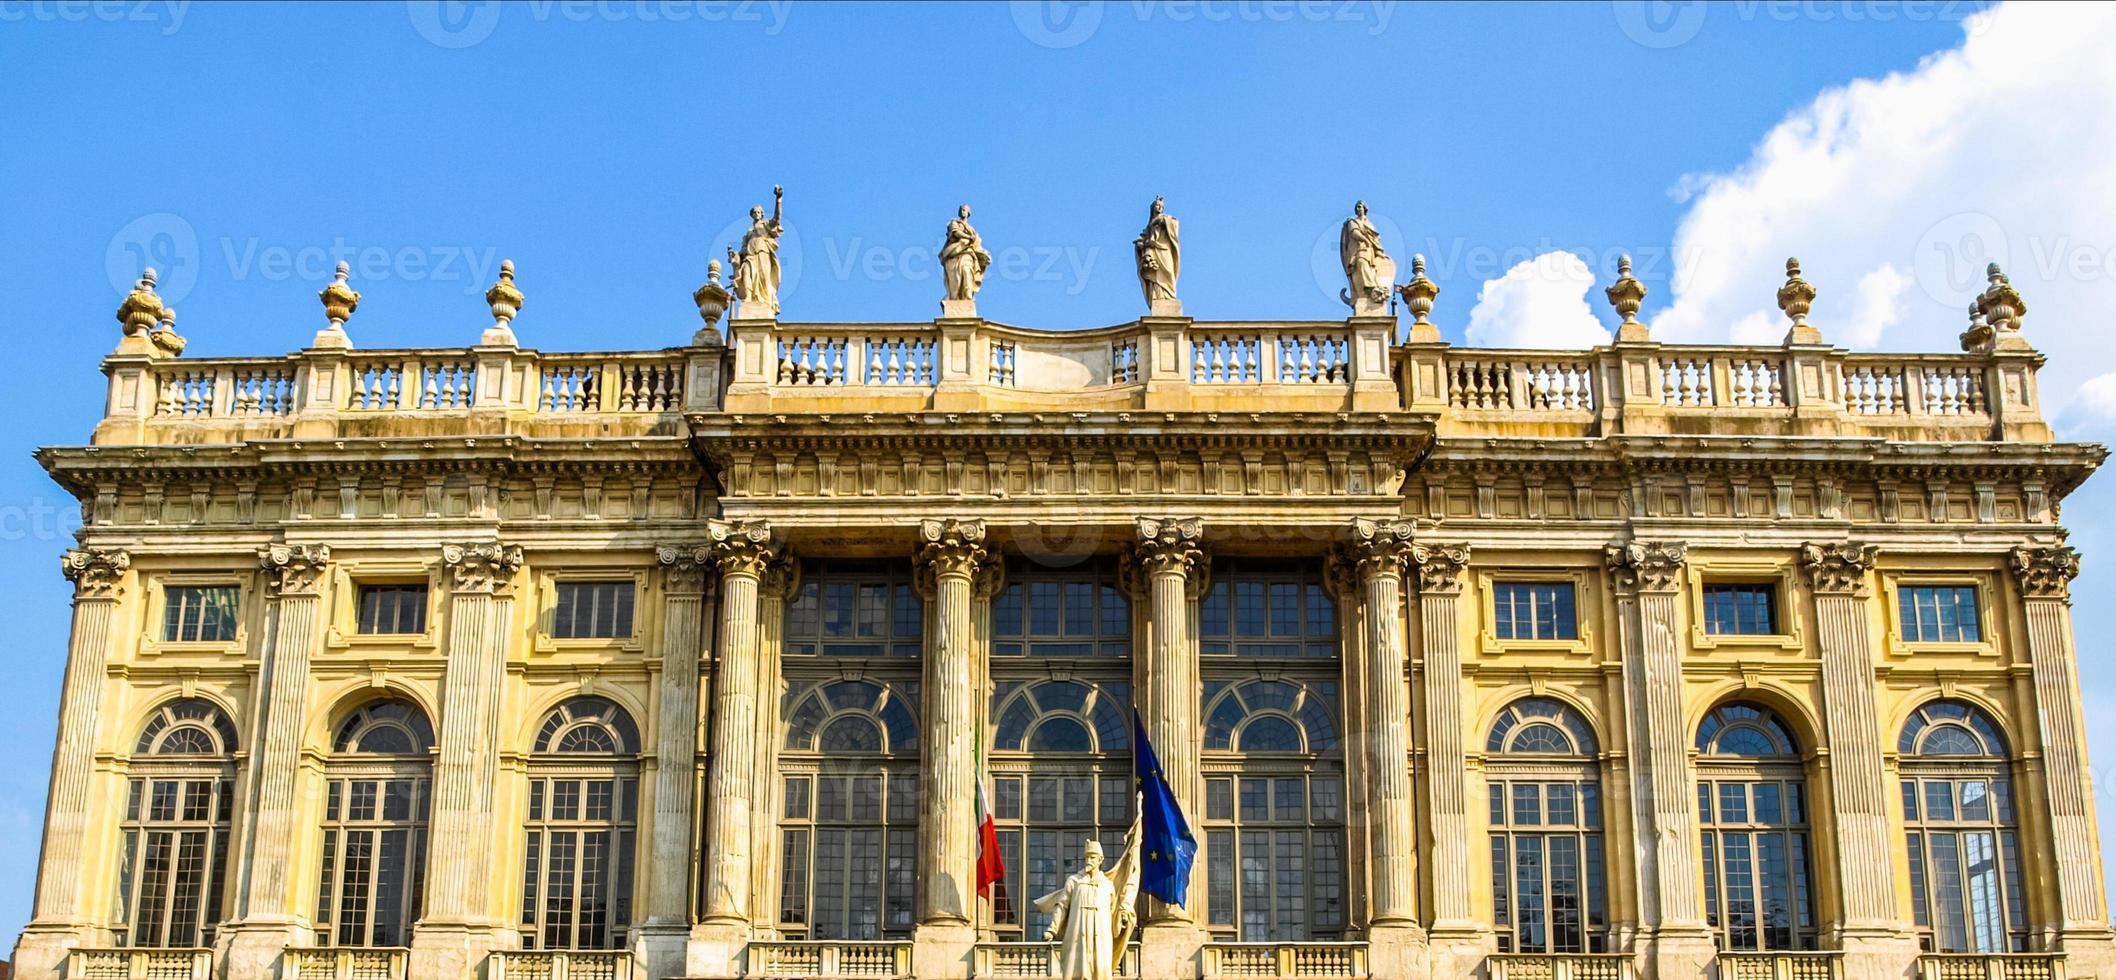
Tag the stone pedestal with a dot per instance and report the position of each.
(1878, 955)
(1686, 954)
(1170, 949)
(715, 951)
(661, 950)
(447, 951)
(40, 954)
(942, 950)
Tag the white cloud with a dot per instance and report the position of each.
(1895, 192)
(1539, 303)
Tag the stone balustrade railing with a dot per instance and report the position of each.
(1283, 961)
(104, 963)
(1812, 965)
(829, 959)
(344, 963)
(560, 964)
(1034, 960)
(1156, 364)
(1562, 966)
(1991, 966)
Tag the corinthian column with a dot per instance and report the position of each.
(1380, 550)
(269, 905)
(459, 923)
(781, 579)
(743, 550)
(660, 938)
(950, 552)
(1168, 555)
(57, 920)
(2045, 574)
(1648, 578)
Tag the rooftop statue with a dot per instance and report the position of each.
(1160, 259)
(963, 258)
(756, 269)
(1368, 268)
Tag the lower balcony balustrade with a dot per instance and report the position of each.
(1284, 961)
(345, 963)
(1562, 966)
(560, 964)
(822, 959)
(1034, 960)
(1992, 966)
(1811, 965)
(103, 963)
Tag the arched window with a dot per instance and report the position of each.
(582, 831)
(378, 788)
(1062, 775)
(1274, 806)
(177, 813)
(1548, 873)
(1964, 844)
(1753, 807)
(848, 827)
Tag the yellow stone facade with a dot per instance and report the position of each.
(1456, 547)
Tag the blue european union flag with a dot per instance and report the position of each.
(1166, 847)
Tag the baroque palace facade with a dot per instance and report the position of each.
(1646, 661)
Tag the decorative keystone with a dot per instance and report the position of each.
(339, 302)
(142, 307)
(1418, 294)
(506, 301)
(713, 300)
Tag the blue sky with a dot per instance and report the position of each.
(610, 148)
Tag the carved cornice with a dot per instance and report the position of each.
(95, 572)
(1169, 546)
(2046, 571)
(1647, 566)
(684, 568)
(1440, 567)
(1838, 569)
(480, 568)
(1381, 547)
(742, 547)
(294, 570)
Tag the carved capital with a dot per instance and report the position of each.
(781, 579)
(950, 547)
(294, 569)
(1838, 569)
(95, 572)
(1440, 567)
(684, 568)
(2046, 571)
(742, 547)
(1169, 546)
(1647, 566)
(1380, 547)
(480, 567)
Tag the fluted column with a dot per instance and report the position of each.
(1441, 569)
(96, 574)
(1648, 580)
(1168, 568)
(1380, 551)
(684, 573)
(459, 925)
(777, 585)
(1341, 577)
(950, 553)
(744, 550)
(2045, 574)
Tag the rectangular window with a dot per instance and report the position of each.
(199, 613)
(592, 611)
(1266, 609)
(392, 609)
(1275, 871)
(1534, 611)
(855, 610)
(1939, 614)
(1046, 612)
(1741, 610)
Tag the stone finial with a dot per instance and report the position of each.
(2001, 304)
(1418, 294)
(164, 338)
(339, 302)
(712, 299)
(142, 307)
(1796, 297)
(1626, 295)
(1978, 337)
(506, 301)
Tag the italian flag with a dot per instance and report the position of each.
(991, 868)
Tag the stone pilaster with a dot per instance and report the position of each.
(1673, 936)
(744, 551)
(459, 925)
(2044, 574)
(58, 922)
(1168, 560)
(270, 908)
(1457, 937)
(949, 557)
(664, 928)
(1379, 552)
(1868, 930)
(1341, 577)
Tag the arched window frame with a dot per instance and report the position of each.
(581, 838)
(1048, 800)
(377, 804)
(1548, 857)
(174, 859)
(1755, 816)
(844, 813)
(1962, 833)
